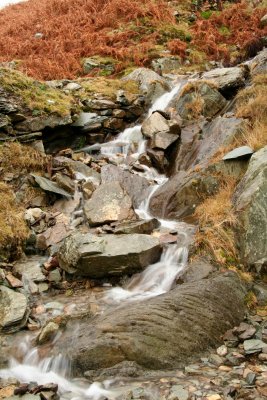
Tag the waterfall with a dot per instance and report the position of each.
(155, 280)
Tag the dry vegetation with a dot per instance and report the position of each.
(217, 219)
(13, 229)
(15, 158)
(130, 32)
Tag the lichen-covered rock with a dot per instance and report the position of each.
(13, 310)
(163, 332)
(108, 203)
(109, 255)
(251, 206)
(198, 99)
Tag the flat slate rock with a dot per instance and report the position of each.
(50, 186)
(239, 152)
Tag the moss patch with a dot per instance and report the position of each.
(38, 97)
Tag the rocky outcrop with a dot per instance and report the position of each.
(227, 78)
(162, 332)
(251, 206)
(258, 64)
(108, 203)
(13, 310)
(195, 175)
(199, 98)
(110, 255)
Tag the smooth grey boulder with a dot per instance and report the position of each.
(161, 131)
(108, 203)
(160, 333)
(239, 152)
(250, 201)
(210, 98)
(13, 310)
(109, 255)
(226, 78)
(136, 186)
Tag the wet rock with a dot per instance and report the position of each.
(251, 205)
(158, 159)
(30, 268)
(210, 99)
(142, 226)
(144, 332)
(136, 186)
(50, 186)
(13, 310)
(226, 78)
(240, 152)
(197, 270)
(48, 332)
(110, 255)
(108, 203)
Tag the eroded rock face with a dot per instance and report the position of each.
(108, 203)
(109, 255)
(162, 332)
(13, 310)
(251, 206)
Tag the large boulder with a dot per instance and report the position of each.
(13, 310)
(34, 124)
(251, 206)
(163, 332)
(109, 203)
(161, 131)
(198, 98)
(149, 82)
(110, 255)
(226, 78)
(137, 187)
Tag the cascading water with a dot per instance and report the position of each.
(153, 281)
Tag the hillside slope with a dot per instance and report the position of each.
(49, 39)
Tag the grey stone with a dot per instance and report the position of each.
(258, 65)
(163, 332)
(54, 276)
(65, 182)
(30, 268)
(13, 310)
(251, 205)
(179, 392)
(35, 124)
(254, 346)
(142, 226)
(72, 86)
(167, 64)
(84, 119)
(109, 203)
(109, 255)
(226, 78)
(50, 186)
(136, 186)
(239, 152)
(197, 270)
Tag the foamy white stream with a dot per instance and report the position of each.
(153, 281)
